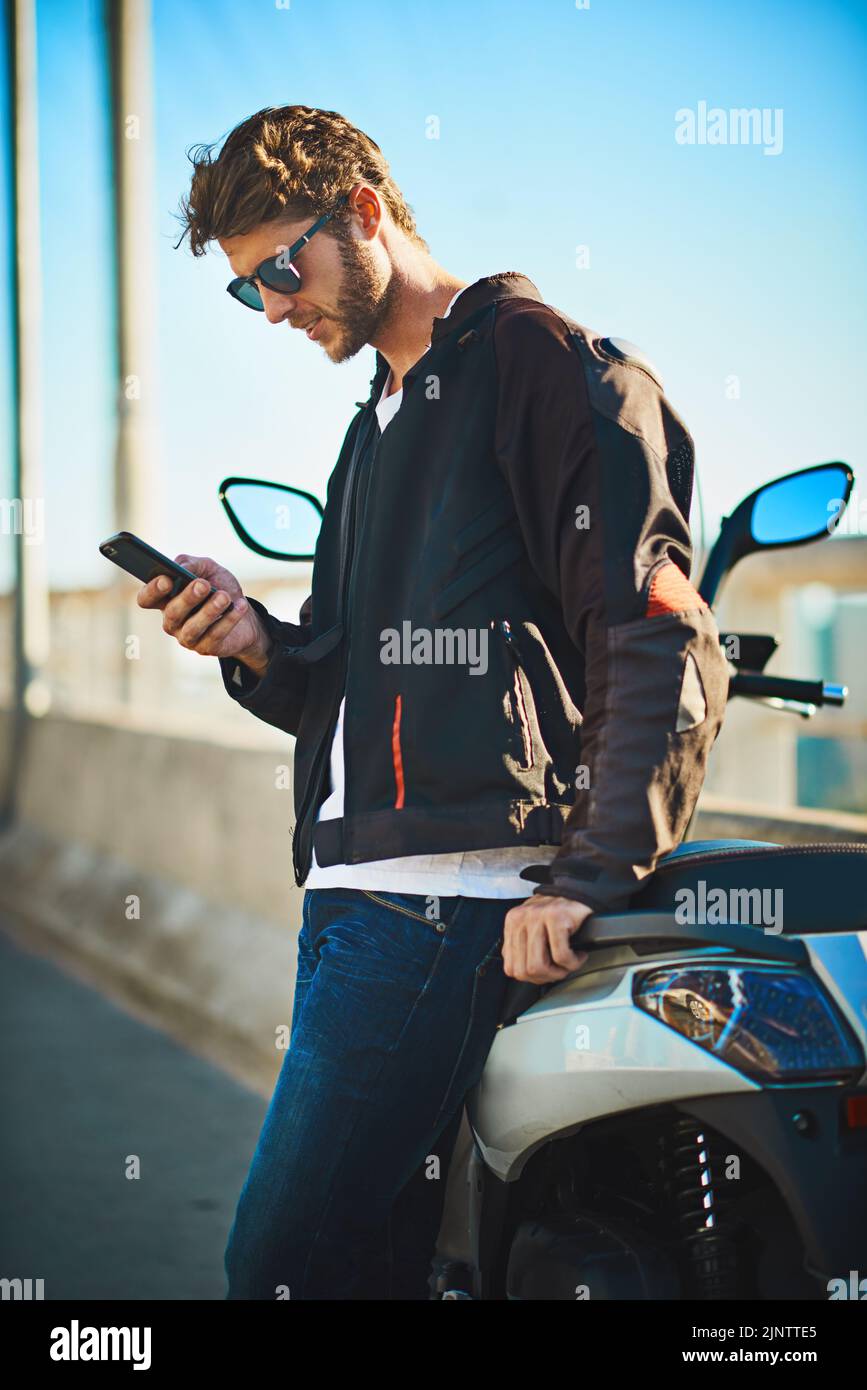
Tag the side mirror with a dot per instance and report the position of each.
(273, 519)
(794, 510)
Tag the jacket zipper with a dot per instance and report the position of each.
(347, 556)
(347, 512)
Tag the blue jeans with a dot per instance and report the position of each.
(394, 1014)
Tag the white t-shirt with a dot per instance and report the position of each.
(481, 873)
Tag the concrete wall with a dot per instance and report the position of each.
(756, 755)
(191, 834)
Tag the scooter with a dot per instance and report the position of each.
(686, 1116)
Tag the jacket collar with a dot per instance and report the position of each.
(507, 284)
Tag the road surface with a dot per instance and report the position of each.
(84, 1086)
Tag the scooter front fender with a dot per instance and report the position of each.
(582, 1052)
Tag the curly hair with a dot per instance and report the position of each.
(285, 162)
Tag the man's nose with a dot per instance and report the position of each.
(277, 306)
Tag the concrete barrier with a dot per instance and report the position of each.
(158, 867)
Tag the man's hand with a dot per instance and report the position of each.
(211, 631)
(536, 940)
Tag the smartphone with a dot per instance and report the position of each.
(143, 562)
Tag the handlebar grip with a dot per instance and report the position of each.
(759, 686)
(520, 995)
(835, 694)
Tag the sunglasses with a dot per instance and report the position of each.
(277, 272)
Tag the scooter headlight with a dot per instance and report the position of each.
(772, 1024)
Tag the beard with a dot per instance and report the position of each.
(367, 299)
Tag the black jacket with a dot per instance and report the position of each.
(501, 588)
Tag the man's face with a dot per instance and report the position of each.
(345, 283)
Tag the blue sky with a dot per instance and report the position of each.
(557, 130)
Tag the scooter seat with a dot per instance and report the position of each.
(824, 886)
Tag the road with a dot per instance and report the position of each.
(84, 1086)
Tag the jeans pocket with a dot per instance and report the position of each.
(379, 944)
(437, 913)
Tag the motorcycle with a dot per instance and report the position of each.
(686, 1116)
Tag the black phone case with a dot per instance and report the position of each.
(143, 562)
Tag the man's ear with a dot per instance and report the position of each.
(366, 204)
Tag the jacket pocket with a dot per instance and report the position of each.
(506, 551)
(518, 695)
(493, 518)
(555, 720)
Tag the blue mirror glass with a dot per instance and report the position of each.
(281, 521)
(801, 507)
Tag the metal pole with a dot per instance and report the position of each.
(136, 478)
(26, 507)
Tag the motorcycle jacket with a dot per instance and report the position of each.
(501, 590)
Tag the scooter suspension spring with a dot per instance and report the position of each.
(695, 1173)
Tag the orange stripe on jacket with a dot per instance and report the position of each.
(396, 754)
(671, 592)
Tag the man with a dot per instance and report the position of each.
(502, 676)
